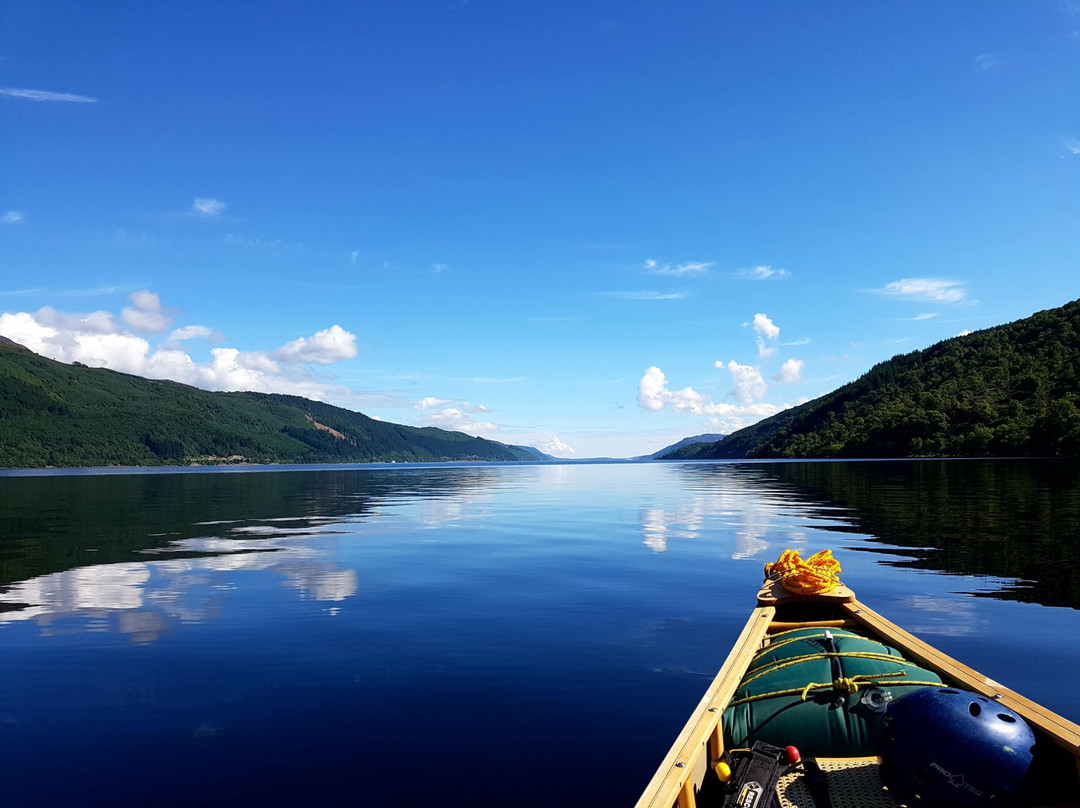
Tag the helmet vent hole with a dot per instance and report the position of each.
(1007, 718)
(974, 708)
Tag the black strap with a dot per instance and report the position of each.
(816, 783)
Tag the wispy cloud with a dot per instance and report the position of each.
(678, 270)
(988, 61)
(760, 273)
(98, 291)
(649, 295)
(938, 290)
(120, 237)
(45, 95)
(919, 317)
(12, 217)
(278, 245)
(493, 379)
(195, 332)
(102, 291)
(204, 206)
(31, 290)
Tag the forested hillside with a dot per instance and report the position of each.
(1012, 390)
(52, 414)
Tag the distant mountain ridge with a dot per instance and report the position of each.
(1011, 390)
(709, 437)
(53, 414)
(536, 454)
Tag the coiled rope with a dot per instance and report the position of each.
(813, 576)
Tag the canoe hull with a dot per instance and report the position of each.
(689, 764)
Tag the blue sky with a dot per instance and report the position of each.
(592, 227)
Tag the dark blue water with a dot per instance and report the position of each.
(456, 635)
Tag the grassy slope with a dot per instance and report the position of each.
(52, 414)
(1013, 390)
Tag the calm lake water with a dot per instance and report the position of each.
(449, 635)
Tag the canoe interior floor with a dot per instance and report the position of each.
(852, 783)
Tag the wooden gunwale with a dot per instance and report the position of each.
(685, 762)
(700, 743)
(1062, 731)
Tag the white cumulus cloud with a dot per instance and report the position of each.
(430, 401)
(790, 372)
(99, 339)
(145, 313)
(457, 420)
(325, 347)
(96, 322)
(747, 383)
(766, 330)
(765, 327)
(654, 395)
(552, 445)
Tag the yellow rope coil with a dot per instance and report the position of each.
(817, 574)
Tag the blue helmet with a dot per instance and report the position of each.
(952, 747)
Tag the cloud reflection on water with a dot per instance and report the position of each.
(144, 599)
(732, 503)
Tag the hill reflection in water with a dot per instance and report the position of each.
(1015, 520)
